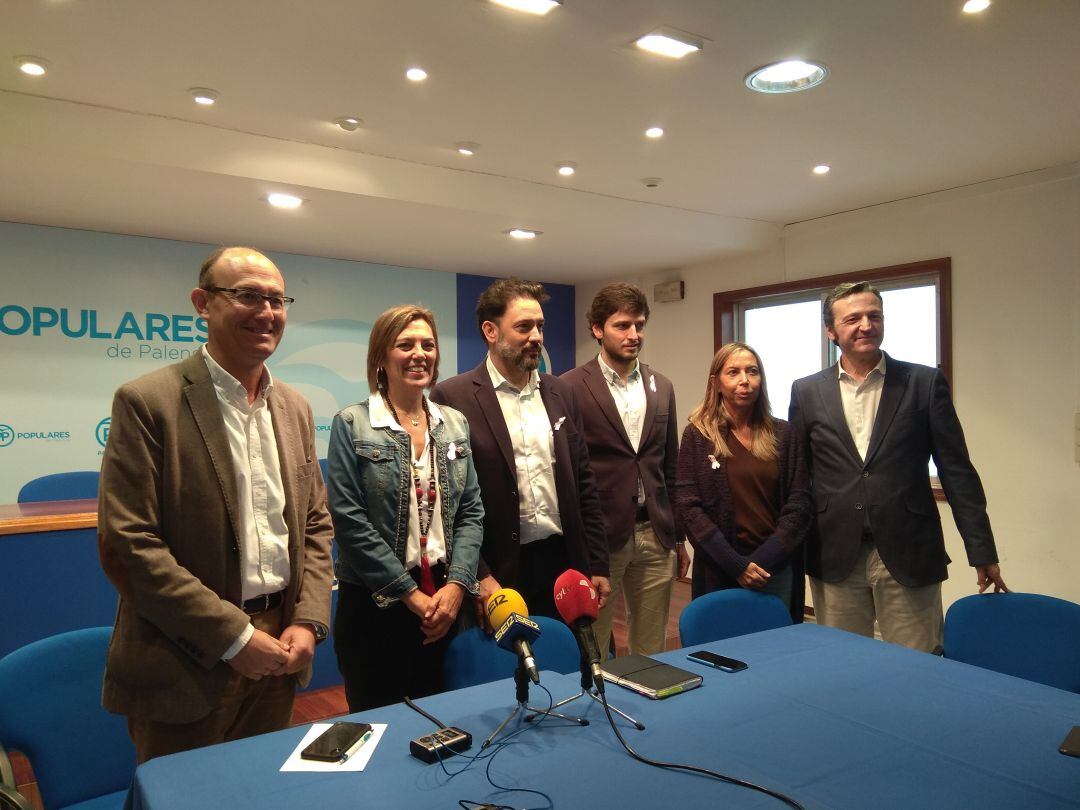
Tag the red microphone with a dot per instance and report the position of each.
(575, 599)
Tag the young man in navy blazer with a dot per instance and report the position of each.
(632, 431)
(870, 425)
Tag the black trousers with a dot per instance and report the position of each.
(540, 564)
(380, 651)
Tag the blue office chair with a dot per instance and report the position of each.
(473, 657)
(731, 612)
(50, 710)
(1028, 635)
(65, 486)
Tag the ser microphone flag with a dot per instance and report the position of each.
(508, 615)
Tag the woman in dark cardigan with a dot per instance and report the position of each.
(743, 494)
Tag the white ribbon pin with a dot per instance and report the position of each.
(451, 451)
(714, 462)
(558, 423)
(652, 383)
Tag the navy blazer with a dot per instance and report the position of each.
(889, 492)
(493, 455)
(617, 465)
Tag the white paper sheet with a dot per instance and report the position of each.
(357, 762)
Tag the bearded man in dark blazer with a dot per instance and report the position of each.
(213, 527)
(870, 425)
(541, 512)
(632, 431)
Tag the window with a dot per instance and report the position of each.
(783, 323)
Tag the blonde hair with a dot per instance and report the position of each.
(711, 417)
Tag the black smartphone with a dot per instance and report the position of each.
(721, 662)
(337, 743)
(1070, 746)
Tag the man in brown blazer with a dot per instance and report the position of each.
(213, 527)
(632, 432)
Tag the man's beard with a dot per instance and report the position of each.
(519, 358)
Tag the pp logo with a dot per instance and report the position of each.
(102, 430)
(7, 435)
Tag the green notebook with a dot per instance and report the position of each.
(649, 677)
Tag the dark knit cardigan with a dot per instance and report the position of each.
(704, 507)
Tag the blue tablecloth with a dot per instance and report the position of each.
(832, 719)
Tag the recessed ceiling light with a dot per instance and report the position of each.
(204, 95)
(821, 169)
(467, 148)
(651, 182)
(670, 42)
(531, 6)
(284, 200)
(349, 123)
(32, 65)
(415, 74)
(787, 77)
(654, 132)
(522, 233)
(975, 6)
(566, 168)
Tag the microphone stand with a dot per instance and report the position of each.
(589, 690)
(521, 682)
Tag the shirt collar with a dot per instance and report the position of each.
(231, 387)
(380, 415)
(498, 380)
(611, 375)
(879, 368)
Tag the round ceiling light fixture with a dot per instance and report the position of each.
(32, 65)
(654, 132)
(467, 148)
(789, 76)
(976, 6)
(821, 168)
(522, 233)
(279, 200)
(651, 182)
(415, 74)
(349, 123)
(566, 168)
(204, 96)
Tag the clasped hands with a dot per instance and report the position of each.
(265, 655)
(438, 611)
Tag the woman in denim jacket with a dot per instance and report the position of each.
(408, 520)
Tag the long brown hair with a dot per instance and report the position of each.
(711, 417)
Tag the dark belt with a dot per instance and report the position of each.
(261, 604)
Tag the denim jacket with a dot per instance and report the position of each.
(369, 480)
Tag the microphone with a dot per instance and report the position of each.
(514, 630)
(575, 599)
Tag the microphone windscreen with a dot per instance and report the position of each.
(502, 603)
(575, 597)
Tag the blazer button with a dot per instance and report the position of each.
(513, 494)
(858, 506)
(865, 473)
(513, 535)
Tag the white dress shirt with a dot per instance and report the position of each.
(264, 536)
(860, 401)
(380, 416)
(533, 441)
(630, 402)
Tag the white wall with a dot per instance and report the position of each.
(1015, 248)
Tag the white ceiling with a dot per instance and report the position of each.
(921, 98)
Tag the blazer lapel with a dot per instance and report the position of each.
(556, 412)
(598, 388)
(202, 399)
(288, 447)
(488, 403)
(829, 389)
(651, 396)
(892, 390)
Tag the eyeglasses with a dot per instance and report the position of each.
(252, 299)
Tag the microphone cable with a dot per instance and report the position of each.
(676, 766)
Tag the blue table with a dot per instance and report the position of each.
(832, 719)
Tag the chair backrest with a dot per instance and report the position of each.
(731, 612)
(65, 486)
(1028, 635)
(50, 710)
(473, 657)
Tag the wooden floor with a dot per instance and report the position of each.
(321, 704)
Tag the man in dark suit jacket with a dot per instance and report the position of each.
(870, 426)
(541, 513)
(632, 432)
(214, 529)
